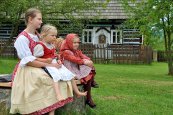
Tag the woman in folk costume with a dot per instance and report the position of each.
(78, 63)
(32, 89)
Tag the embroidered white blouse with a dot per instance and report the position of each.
(23, 51)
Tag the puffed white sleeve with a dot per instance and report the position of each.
(38, 50)
(23, 51)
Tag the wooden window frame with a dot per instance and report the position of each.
(116, 42)
(83, 35)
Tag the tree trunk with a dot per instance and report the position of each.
(164, 34)
(169, 51)
(170, 68)
(169, 60)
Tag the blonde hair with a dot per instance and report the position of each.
(31, 12)
(58, 42)
(46, 29)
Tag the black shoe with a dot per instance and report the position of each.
(91, 105)
(95, 85)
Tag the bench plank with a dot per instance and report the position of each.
(5, 84)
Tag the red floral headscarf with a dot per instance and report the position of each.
(68, 42)
(68, 45)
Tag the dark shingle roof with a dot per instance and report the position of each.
(113, 10)
(106, 10)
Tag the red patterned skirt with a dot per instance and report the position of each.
(53, 107)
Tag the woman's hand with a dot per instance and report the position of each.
(49, 60)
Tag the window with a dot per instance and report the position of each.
(87, 36)
(116, 37)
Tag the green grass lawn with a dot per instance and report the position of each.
(127, 89)
(7, 65)
(133, 90)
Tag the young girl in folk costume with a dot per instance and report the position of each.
(32, 89)
(78, 63)
(45, 51)
(58, 42)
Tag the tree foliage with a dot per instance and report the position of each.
(53, 10)
(153, 15)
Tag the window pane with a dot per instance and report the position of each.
(85, 36)
(90, 36)
(118, 37)
(118, 33)
(114, 37)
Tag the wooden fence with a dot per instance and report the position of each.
(9, 51)
(129, 54)
(161, 56)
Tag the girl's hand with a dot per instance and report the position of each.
(85, 60)
(88, 63)
(91, 64)
(59, 62)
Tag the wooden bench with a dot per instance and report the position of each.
(77, 107)
(7, 84)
